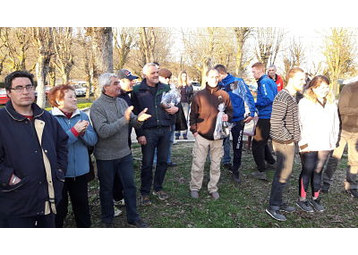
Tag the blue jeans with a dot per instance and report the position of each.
(156, 138)
(107, 170)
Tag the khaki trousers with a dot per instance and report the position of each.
(200, 152)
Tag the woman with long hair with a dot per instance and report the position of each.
(186, 91)
(319, 124)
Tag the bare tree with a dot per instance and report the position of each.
(124, 40)
(241, 34)
(63, 42)
(294, 55)
(340, 52)
(43, 41)
(268, 43)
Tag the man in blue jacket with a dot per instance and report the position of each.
(239, 96)
(33, 157)
(266, 92)
(155, 132)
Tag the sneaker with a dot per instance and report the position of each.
(305, 206)
(119, 203)
(276, 215)
(145, 200)
(353, 193)
(117, 212)
(172, 164)
(194, 194)
(161, 195)
(138, 224)
(259, 175)
(236, 177)
(286, 208)
(316, 204)
(215, 195)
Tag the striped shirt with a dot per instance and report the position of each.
(284, 118)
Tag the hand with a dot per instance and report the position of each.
(142, 140)
(195, 134)
(225, 117)
(172, 110)
(81, 126)
(248, 119)
(127, 113)
(142, 116)
(14, 180)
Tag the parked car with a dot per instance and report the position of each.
(80, 91)
(196, 86)
(3, 96)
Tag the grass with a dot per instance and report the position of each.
(239, 206)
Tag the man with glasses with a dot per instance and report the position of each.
(33, 157)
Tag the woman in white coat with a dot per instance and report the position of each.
(319, 123)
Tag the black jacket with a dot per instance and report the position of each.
(143, 98)
(21, 154)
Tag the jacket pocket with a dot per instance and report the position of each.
(10, 188)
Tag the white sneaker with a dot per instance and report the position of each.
(117, 212)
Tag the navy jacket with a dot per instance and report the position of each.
(21, 154)
(143, 98)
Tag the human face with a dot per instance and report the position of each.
(298, 81)
(164, 80)
(152, 75)
(272, 72)
(257, 72)
(69, 102)
(114, 88)
(322, 90)
(184, 77)
(126, 84)
(21, 98)
(213, 78)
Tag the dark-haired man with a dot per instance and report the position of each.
(33, 157)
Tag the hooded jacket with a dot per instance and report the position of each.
(78, 159)
(237, 100)
(36, 152)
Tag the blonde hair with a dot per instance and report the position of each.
(314, 83)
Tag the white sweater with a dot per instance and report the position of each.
(319, 125)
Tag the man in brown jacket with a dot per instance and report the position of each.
(348, 111)
(204, 111)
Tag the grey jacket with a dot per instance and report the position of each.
(107, 116)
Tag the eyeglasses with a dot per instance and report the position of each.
(28, 87)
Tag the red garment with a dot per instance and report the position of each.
(279, 82)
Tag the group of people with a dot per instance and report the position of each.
(45, 156)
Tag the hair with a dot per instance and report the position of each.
(105, 79)
(221, 69)
(259, 65)
(314, 83)
(146, 67)
(211, 69)
(292, 72)
(17, 74)
(57, 93)
(272, 66)
(181, 83)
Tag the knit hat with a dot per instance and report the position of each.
(165, 73)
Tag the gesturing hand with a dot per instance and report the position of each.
(127, 113)
(142, 116)
(81, 126)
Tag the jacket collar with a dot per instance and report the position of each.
(210, 89)
(17, 116)
(262, 77)
(143, 85)
(57, 112)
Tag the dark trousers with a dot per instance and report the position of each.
(43, 221)
(285, 154)
(77, 189)
(156, 138)
(107, 169)
(260, 149)
(311, 174)
(237, 135)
